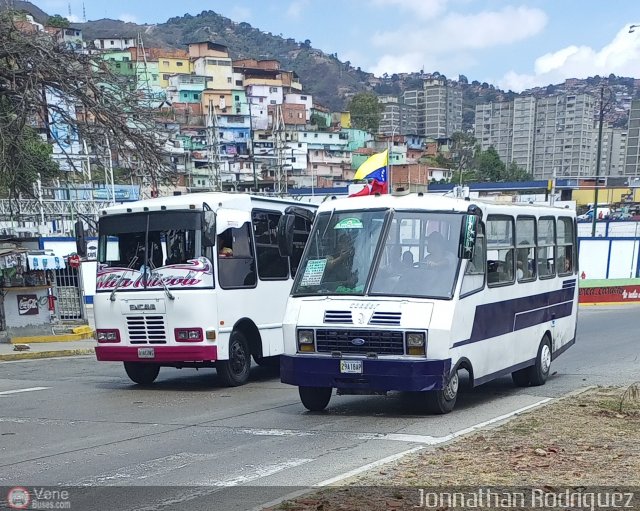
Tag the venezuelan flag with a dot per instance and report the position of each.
(376, 167)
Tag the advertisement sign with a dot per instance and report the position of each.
(27, 305)
(612, 294)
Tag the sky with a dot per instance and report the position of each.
(512, 45)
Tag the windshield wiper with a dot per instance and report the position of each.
(112, 297)
(164, 284)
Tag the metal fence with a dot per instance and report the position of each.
(67, 290)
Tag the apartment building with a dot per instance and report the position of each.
(563, 138)
(397, 117)
(632, 153)
(494, 128)
(438, 108)
(613, 149)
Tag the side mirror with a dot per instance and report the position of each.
(81, 239)
(468, 236)
(208, 228)
(285, 234)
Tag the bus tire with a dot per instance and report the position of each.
(539, 372)
(521, 377)
(443, 401)
(235, 371)
(142, 373)
(315, 399)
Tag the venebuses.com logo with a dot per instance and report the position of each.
(18, 498)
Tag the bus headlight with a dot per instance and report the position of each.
(306, 341)
(416, 343)
(105, 335)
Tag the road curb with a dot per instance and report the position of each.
(78, 334)
(32, 355)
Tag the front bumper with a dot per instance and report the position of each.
(377, 374)
(106, 353)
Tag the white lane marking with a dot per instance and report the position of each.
(19, 391)
(428, 441)
(145, 470)
(255, 472)
(276, 432)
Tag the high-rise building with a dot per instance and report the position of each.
(632, 158)
(438, 108)
(524, 118)
(614, 144)
(563, 139)
(494, 126)
(443, 108)
(546, 137)
(397, 117)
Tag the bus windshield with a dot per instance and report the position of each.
(418, 256)
(152, 240)
(340, 253)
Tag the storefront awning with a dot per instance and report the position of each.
(45, 262)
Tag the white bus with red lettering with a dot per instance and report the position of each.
(195, 281)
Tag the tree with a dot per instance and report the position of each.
(70, 97)
(365, 111)
(516, 173)
(58, 21)
(463, 151)
(489, 166)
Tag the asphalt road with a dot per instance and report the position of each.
(191, 444)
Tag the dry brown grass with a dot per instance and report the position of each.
(579, 441)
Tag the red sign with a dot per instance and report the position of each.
(74, 261)
(27, 305)
(612, 294)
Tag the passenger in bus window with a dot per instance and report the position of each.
(223, 249)
(438, 256)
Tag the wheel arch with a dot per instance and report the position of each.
(251, 334)
(465, 363)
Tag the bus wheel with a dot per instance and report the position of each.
(539, 372)
(315, 399)
(142, 373)
(235, 371)
(521, 377)
(443, 401)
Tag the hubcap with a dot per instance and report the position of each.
(545, 358)
(238, 358)
(451, 390)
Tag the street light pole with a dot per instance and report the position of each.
(393, 132)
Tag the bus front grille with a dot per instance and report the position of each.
(381, 342)
(146, 330)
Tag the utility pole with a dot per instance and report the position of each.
(598, 157)
(280, 181)
(253, 156)
(108, 178)
(213, 149)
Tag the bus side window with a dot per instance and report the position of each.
(500, 250)
(526, 268)
(301, 229)
(236, 267)
(565, 246)
(546, 247)
(271, 266)
(474, 274)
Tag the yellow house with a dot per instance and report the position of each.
(213, 60)
(168, 66)
(345, 120)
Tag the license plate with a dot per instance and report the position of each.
(146, 353)
(351, 366)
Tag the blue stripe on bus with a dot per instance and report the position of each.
(499, 318)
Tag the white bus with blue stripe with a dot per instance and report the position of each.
(401, 293)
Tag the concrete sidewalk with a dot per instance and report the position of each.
(46, 350)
